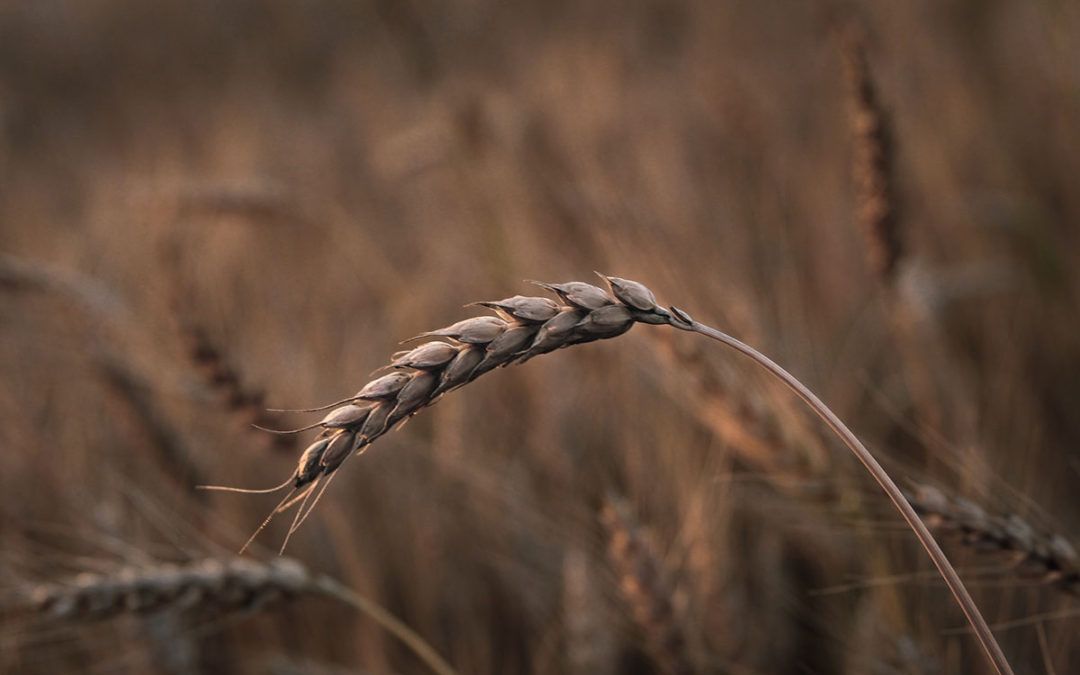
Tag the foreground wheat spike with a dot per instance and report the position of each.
(520, 332)
(222, 585)
(1038, 556)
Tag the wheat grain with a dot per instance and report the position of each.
(526, 327)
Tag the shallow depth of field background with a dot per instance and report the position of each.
(309, 183)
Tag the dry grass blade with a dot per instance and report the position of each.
(226, 586)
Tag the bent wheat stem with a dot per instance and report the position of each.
(948, 572)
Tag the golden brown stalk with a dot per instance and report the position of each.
(221, 585)
(644, 587)
(1036, 556)
(872, 163)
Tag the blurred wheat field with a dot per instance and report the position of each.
(208, 209)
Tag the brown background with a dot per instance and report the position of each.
(306, 184)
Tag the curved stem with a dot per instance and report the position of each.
(389, 622)
(952, 579)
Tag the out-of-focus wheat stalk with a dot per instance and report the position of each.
(748, 426)
(225, 586)
(106, 313)
(938, 393)
(589, 644)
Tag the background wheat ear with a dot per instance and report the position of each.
(1034, 555)
(873, 161)
(211, 584)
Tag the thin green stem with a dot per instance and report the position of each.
(948, 573)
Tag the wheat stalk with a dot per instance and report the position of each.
(233, 585)
(526, 327)
(1048, 558)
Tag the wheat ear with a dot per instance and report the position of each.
(230, 585)
(873, 160)
(526, 327)
(1047, 558)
